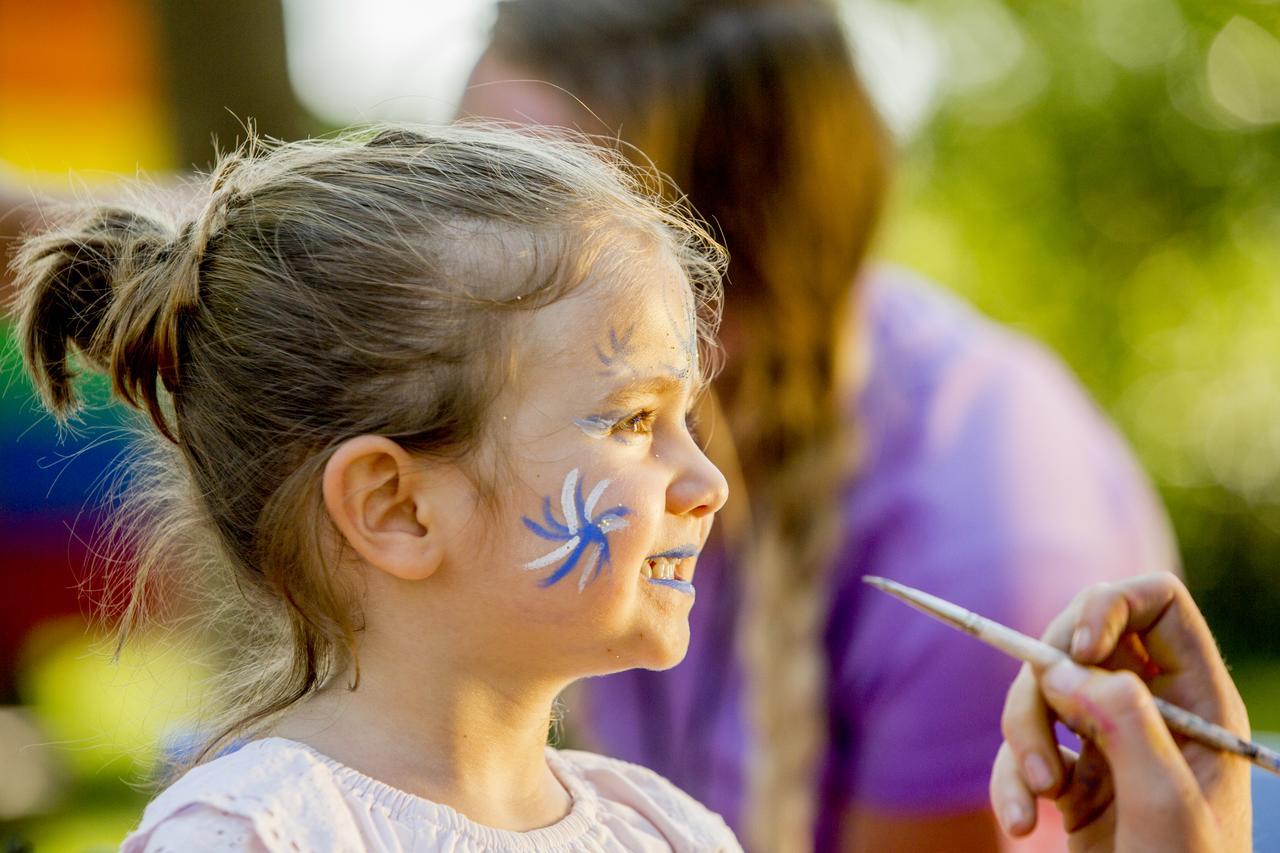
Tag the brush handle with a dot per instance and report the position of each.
(1042, 656)
(1199, 729)
(1180, 720)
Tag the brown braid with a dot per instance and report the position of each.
(755, 110)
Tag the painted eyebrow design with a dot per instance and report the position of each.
(656, 386)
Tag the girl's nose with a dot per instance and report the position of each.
(700, 489)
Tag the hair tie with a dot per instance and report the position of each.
(214, 215)
(184, 297)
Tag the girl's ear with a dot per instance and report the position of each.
(372, 491)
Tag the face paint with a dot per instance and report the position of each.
(579, 532)
(675, 553)
(617, 355)
(687, 334)
(596, 426)
(691, 336)
(674, 583)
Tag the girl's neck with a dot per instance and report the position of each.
(475, 745)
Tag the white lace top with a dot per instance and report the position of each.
(281, 796)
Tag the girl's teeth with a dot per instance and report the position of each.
(661, 569)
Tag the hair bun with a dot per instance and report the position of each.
(112, 283)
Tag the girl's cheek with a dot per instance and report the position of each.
(645, 530)
(579, 530)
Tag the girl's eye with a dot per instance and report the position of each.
(639, 423)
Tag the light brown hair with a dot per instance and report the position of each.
(756, 111)
(368, 284)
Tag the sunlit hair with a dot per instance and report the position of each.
(369, 284)
(755, 110)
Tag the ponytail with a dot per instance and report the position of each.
(103, 284)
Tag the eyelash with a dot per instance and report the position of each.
(641, 423)
(637, 423)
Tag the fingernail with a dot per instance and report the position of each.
(1038, 773)
(1064, 677)
(1013, 816)
(1080, 640)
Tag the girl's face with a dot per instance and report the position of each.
(588, 566)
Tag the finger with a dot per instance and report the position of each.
(1088, 790)
(1103, 614)
(1157, 630)
(1103, 632)
(1027, 725)
(1115, 711)
(1058, 633)
(1013, 802)
(1158, 608)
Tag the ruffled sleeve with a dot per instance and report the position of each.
(199, 829)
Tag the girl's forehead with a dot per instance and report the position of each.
(651, 288)
(630, 316)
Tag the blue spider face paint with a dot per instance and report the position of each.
(581, 532)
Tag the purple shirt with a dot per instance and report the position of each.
(988, 478)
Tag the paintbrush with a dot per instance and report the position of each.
(1043, 655)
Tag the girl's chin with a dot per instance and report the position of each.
(669, 659)
(654, 647)
(664, 646)
(667, 637)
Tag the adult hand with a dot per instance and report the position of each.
(1133, 786)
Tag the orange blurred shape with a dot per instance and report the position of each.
(82, 86)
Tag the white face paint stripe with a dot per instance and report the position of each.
(593, 427)
(611, 523)
(590, 505)
(555, 556)
(566, 501)
(588, 569)
(579, 532)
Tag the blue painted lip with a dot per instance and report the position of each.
(678, 586)
(676, 553)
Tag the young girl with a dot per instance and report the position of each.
(423, 398)
(882, 428)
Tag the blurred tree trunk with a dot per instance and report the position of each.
(226, 64)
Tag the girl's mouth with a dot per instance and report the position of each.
(671, 569)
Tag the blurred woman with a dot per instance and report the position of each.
(879, 426)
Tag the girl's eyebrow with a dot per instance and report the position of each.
(654, 386)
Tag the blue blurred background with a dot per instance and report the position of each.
(1101, 174)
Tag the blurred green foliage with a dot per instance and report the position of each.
(104, 723)
(1105, 175)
